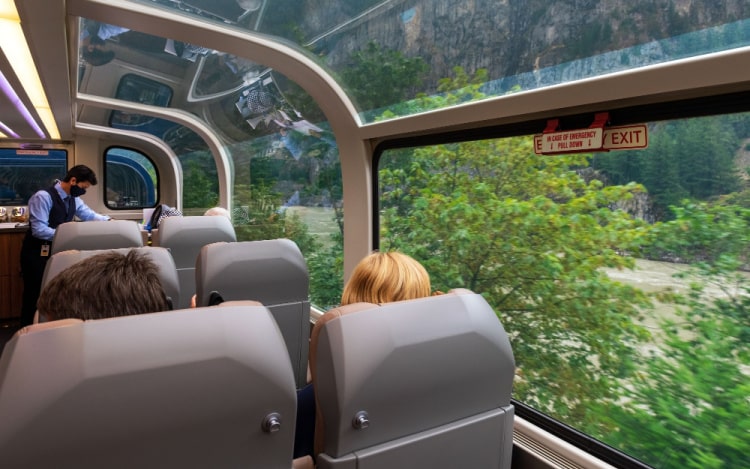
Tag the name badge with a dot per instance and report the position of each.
(45, 250)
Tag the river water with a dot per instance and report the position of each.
(653, 276)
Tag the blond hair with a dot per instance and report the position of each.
(218, 211)
(382, 277)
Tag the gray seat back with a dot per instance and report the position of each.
(194, 388)
(184, 237)
(273, 272)
(161, 257)
(96, 235)
(432, 377)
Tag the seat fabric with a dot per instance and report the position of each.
(273, 272)
(193, 388)
(93, 235)
(184, 237)
(432, 377)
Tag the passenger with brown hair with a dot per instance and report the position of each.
(103, 286)
(382, 277)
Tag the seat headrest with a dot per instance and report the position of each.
(184, 236)
(273, 272)
(96, 235)
(270, 271)
(187, 388)
(411, 365)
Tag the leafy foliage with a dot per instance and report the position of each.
(379, 77)
(531, 235)
(257, 215)
(686, 159)
(327, 273)
(701, 232)
(201, 191)
(690, 400)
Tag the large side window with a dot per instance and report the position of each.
(23, 172)
(130, 179)
(621, 277)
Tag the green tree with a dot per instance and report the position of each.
(379, 77)
(257, 216)
(701, 232)
(376, 77)
(687, 407)
(692, 158)
(327, 274)
(706, 158)
(531, 235)
(201, 191)
(660, 173)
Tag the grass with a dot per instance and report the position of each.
(319, 220)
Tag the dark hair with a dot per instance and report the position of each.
(82, 173)
(103, 286)
(96, 55)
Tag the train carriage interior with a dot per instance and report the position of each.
(574, 175)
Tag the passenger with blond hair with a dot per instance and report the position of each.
(382, 277)
(218, 211)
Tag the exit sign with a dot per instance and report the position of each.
(628, 137)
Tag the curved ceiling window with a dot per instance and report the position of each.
(389, 54)
(130, 179)
(219, 112)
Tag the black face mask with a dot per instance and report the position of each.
(76, 191)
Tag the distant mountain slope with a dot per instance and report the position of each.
(506, 37)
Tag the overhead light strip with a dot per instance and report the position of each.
(17, 52)
(7, 130)
(18, 104)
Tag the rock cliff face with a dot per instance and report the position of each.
(511, 37)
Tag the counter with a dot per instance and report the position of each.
(13, 227)
(11, 283)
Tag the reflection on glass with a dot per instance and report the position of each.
(130, 180)
(241, 98)
(227, 11)
(222, 73)
(286, 176)
(23, 172)
(514, 46)
(138, 89)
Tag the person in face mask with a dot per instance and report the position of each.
(48, 208)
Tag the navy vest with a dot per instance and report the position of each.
(58, 215)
